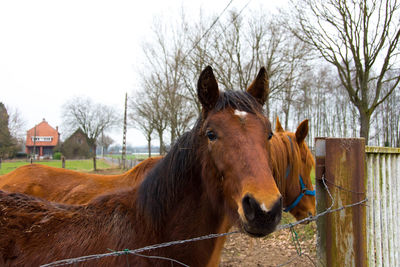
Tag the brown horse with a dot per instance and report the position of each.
(67, 186)
(215, 176)
(292, 162)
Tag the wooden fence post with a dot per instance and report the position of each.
(341, 235)
(63, 162)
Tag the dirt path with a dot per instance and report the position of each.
(242, 250)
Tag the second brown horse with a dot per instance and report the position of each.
(290, 159)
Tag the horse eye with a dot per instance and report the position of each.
(270, 135)
(211, 135)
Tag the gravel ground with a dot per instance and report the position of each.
(274, 250)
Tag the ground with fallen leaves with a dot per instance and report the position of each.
(274, 250)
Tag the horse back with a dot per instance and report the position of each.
(70, 187)
(42, 181)
(34, 231)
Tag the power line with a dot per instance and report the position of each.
(209, 28)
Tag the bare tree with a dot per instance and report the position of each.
(92, 118)
(238, 47)
(16, 124)
(164, 84)
(361, 39)
(105, 142)
(141, 116)
(157, 105)
(386, 122)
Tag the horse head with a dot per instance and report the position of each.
(299, 193)
(235, 136)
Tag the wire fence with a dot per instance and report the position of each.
(291, 226)
(129, 163)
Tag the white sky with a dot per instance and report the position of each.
(53, 50)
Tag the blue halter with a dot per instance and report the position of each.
(304, 190)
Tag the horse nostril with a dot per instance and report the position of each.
(276, 208)
(260, 220)
(249, 207)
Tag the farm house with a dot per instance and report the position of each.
(41, 140)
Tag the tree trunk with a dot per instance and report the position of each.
(364, 125)
(267, 107)
(173, 134)
(94, 158)
(160, 135)
(149, 146)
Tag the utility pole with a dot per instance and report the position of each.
(124, 134)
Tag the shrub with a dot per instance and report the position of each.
(57, 155)
(21, 155)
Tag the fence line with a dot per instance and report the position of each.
(129, 163)
(383, 188)
(171, 243)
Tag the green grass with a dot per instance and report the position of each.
(77, 165)
(312, 174)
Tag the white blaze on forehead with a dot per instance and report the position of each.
(263, 207)
(241, 114)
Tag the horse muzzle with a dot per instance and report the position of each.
(260, 221)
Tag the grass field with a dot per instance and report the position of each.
(77, 165)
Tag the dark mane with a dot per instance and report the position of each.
(183, 162)
(161, 186)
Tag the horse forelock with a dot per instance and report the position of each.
(239, 100)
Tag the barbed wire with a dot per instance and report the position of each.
(211, 236)
(136, 251)
(343, 189)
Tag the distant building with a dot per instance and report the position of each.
(76, 146)
(41, 140)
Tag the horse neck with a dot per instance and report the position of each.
(174, 194)
(176, 202)
(285, 163)
(280, 161)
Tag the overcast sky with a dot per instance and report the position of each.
(53, 50)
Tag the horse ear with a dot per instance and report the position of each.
(278, 126)
(302, 131)
(259, 88)
(207, 89)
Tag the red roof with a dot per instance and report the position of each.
(45, 135)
